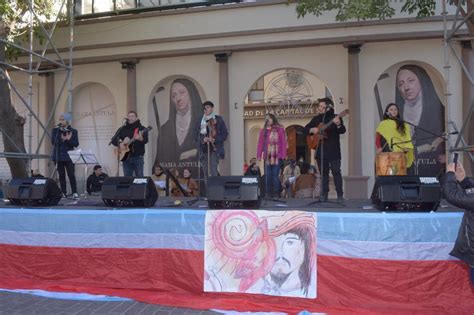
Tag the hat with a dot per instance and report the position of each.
(67, 117)
(96, 167)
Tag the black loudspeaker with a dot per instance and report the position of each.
(406, 193)
(129, 192)
(225, 192)
(33, 191)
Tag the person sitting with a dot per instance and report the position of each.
(290, 174)
(253, 170)
(95, 181)
(189, 187)
(305, 184)
(36, 173)
(159, 177)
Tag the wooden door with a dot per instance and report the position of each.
(291, 137)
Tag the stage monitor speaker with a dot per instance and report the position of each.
(129, 192)
(33, 191)
(224, 192)
(406, 193)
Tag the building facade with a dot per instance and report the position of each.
(247, 58)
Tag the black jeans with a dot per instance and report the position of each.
(63, 167)
(335, 167)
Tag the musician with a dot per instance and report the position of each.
(328, 152)
(95, 181)
(393, 134)
(64, 139)
(188, 185)
(132, 130)
(272, 147)
(159, 177)
(212, 134)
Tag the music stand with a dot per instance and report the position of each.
(85, 158)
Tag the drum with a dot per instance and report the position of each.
(390, 163)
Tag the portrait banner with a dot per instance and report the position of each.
(415, 90)
(261, 252)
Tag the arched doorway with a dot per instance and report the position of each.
(291, 95)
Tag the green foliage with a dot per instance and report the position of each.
(363, 9)
(423, 8)
(15, 16)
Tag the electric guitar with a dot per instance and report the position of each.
(125, 148)
(313, 140)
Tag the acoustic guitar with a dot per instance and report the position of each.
(125, 148)
(313, 140)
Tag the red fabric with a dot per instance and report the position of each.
(175, 278)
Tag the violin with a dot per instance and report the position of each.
(212, 131)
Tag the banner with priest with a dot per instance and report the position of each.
(261, 252)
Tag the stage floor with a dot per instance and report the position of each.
(312, 205)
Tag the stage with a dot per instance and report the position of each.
(368, 262)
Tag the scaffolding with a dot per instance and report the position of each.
(36, 60)
(450, 35)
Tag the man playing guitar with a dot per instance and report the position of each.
(328, 151)
(132, 136)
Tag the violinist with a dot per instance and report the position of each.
(328, 153)
(212, 134)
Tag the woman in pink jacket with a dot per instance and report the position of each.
(272, 147)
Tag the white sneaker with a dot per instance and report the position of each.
(75, 196)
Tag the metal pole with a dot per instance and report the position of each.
(30, 85)
(446, 79)
(71, 45)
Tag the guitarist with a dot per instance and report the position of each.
(328, 152)
(131, 136)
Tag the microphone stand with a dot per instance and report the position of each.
(115, 139)
(415, 139)
(199, 169)
(265, 151)
(56, 152)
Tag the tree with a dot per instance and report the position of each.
(14, 23)
(378, 9)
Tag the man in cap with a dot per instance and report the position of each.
(95, 181)
(64, 139)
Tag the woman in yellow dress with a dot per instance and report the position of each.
(393, 135)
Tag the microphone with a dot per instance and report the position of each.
(391, 144)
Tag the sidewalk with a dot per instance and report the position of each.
(20, 303)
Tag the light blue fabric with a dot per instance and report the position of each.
(70, 296)
(375, 227)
